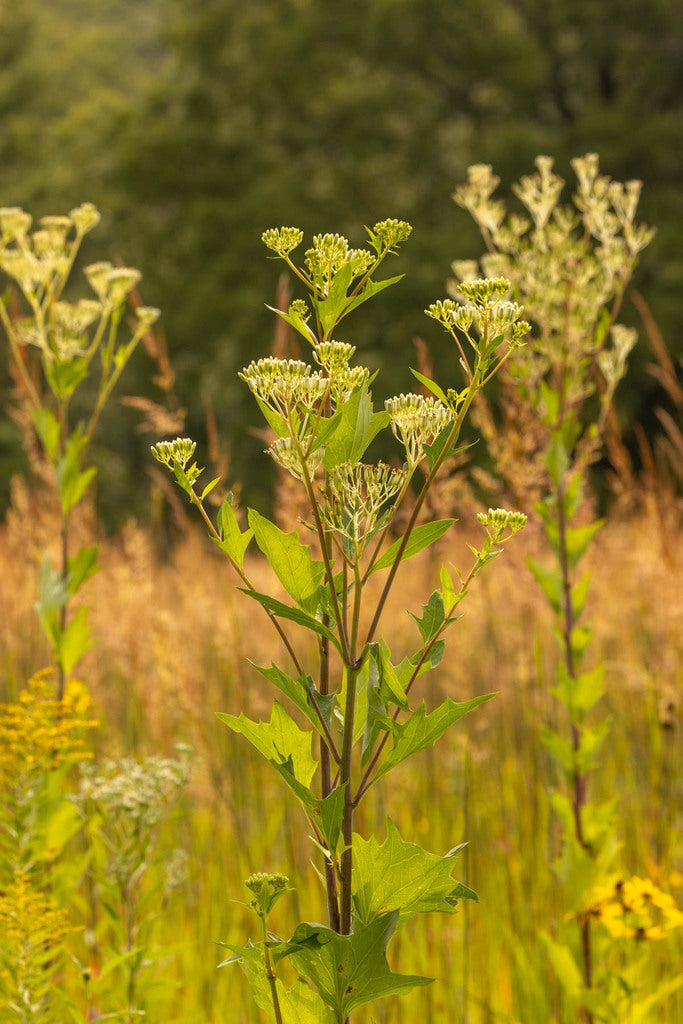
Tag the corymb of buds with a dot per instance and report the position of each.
(85, 217)
(284, 452)
(497, 520)
(358, 492)
(281, 241)
(14, 224)
(266, 890)
(172, 453)
(484, 292)
(333, 355)
(70, 322)
(285, 383)
(111, 284)
(388, 233)
(416, 421)
(147, 315)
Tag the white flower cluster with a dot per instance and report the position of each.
(356, 496)
(284, 384)
(416, 421)
(138, 792)
(498, 520)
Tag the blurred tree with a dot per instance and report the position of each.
(194, 127)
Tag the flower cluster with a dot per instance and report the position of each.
(485, 309)
(287, 454)
(267, 890)
(334, 357)
(40, 261)
(281, 241)
(172, 453)
(111, 284)
(388, 233)
(566, 263)
(497, 520)
(137, 792)
(634, 909)
(32, 933)
(329, 253)
(284, 384)
(38, 732)
(416, 421)
(356, 495)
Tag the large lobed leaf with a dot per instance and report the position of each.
(400, 876)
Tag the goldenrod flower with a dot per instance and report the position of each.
(39, 733)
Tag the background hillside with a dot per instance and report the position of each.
(194, 127)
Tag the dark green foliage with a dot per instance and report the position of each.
(192, 125)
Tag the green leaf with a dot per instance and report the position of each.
(557, 460)
(578, 539)
(433, 618)
(358, 426)
(590, 743)
(48, 429)
(565, 967)
(74, 641)
(300, 691)
(420, 538)
(422, 730)
(283, 744)
(579, 593)
(285, 611)
(434, 450)
(81, 567)
(64, 377)
(326, 429)
(72, 482)
(388, 679)
(400, 876)
(580, 693)
(448, 592)
(299, 1005)
(296, 321)
(560, 749)
(331, 309)
(431, 385)
(349, 971)
(233, 542)
(331, 817)
(209, 487)
(550, 582)
(290, 560)
(62, 825)
(53, 594)
(371, 289)
(374, 708)
(273, 419)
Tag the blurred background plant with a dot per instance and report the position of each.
(570, 265)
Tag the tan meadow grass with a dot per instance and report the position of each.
(174, 640)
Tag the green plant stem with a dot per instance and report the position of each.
(452, 438)
(270, 974)
(322, 537)
(365, 781)
(578, 780)
(346, 760)
(347, 821)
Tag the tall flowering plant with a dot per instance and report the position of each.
(356, 700)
